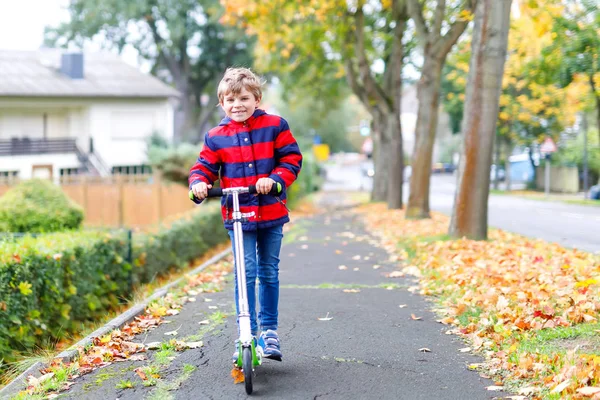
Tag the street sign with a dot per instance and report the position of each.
(548, 146)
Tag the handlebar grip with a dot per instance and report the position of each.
(276, 189)
(215, 192)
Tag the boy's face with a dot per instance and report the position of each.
(240, 107)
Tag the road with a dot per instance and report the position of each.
(570, 225)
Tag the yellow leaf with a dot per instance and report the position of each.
(25, 288)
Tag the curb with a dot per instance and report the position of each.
(19, 383)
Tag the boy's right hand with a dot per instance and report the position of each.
(200, 190)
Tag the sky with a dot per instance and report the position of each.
(22, 24)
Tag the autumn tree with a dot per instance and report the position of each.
(530, 110)
(316, 42)
(488, 55)
(437, 34)
(181, 39)
(575, 48)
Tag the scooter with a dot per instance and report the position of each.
(248, 356)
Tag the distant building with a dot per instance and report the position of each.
(63, 114)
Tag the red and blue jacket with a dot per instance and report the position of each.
(240, 153)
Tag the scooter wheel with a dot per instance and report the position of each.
(247, 368)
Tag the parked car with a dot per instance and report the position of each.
(595, 192)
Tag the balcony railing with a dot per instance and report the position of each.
(27, 146)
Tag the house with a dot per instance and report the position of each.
(73, 113)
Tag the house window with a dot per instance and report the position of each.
(70, 171)
(132, 169)
(8, 177)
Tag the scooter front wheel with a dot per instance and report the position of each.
(247, 368)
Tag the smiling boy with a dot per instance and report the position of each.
(251, 147)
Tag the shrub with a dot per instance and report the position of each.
(38, 206)
(50, 284)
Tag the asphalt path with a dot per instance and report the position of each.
(344, 333)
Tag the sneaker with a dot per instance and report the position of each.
(269, 341)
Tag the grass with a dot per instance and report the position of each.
(163, 388)
(125, 384)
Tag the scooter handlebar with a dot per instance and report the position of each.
(276, 190)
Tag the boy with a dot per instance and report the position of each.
(251, 147)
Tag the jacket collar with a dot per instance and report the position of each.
(228, 121)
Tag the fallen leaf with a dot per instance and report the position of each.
(304, 247)
(194, 345)
(495, 388)
(376, 266)
(414, 317)
(204, 322)
(338, 252)
(465, 350)
(402, 306)
(588, 390)
(238, 375)
(171, 333)
(356, 269)
(424, 350)
(395, 274)
(207, 300)
(342, 268)
(172, 312)
(213, 307)
(153, 345)
(562, 386)
(326, 318)
(351, 290)
(140, 373)
(357, 257)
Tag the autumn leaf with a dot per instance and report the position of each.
(414, 317)
(238, 375)
(25, 288)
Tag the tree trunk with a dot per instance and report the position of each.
(380, 159)
(185, 115)
(428, 95)
(489, 46)
(395, 162)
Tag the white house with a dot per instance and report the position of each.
(77, 113)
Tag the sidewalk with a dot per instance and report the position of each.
(364, 346)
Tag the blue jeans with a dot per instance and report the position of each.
(262, 260)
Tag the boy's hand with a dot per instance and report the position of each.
(200, 190)
(264, 185)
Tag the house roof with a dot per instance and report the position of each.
(37, 74)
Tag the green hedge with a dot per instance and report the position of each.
(50, 284)
(38, 205)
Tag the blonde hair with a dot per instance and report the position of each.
(236, 79)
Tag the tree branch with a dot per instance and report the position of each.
(374, 90)
(442, 47)
(393, 71)
(168, 61)
(415, 9)
(440, 13)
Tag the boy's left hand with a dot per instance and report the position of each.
(264, 185)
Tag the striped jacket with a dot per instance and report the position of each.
(239, 153)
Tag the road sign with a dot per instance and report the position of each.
(548, 146)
